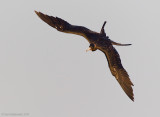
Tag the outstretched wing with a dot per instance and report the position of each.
(118, 71)
(64, 26)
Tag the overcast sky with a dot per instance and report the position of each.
(46, 73)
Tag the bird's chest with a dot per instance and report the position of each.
(102, 43)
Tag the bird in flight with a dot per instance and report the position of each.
(97, 41)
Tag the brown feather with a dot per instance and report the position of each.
(97, 41)
(118, 71)
(63, 26)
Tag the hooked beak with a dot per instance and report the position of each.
(88, 49)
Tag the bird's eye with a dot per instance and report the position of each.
(92, 45)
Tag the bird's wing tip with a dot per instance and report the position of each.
(36, 12)
(132, 99)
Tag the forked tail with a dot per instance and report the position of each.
(119, 44)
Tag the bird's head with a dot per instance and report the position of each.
(92, 47)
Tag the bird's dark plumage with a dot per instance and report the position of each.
(97, 41)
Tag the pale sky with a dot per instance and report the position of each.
(46, 73)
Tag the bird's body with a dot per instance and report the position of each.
(97, 41)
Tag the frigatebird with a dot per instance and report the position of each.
(97, 41)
